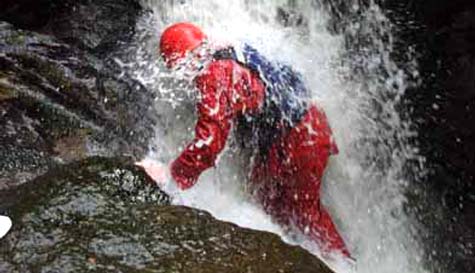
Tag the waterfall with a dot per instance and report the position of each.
(358, 85)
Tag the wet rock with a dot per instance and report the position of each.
(117, 177)
(59, 104)
(103, 215)
(99, 26)
(95, 25)
(26, 13)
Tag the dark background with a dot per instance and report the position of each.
(443, 106)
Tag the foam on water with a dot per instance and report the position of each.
(364, 184)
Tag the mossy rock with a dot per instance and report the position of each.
(106, 215)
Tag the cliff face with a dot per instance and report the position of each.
(96, 26)
(62, 96)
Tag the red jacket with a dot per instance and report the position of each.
(227, 89)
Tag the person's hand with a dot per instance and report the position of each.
(156, 170)
(160, 173)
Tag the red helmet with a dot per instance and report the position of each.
(179, 39)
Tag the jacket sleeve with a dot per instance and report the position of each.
(211, 131)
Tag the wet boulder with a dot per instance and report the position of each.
(106, 215)
(59, 104)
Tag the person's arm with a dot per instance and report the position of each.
(211, 131)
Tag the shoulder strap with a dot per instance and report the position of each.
(225, 54)
(230, 53)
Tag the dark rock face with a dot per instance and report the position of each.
(59, 104)
(95, 25)
(26, 13)
(98, 26)
(104, 215)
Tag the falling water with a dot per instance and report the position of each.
(359, 88)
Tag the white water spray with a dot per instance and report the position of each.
(364, 183)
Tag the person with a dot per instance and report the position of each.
(268, 105)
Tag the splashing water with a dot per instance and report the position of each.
(364, 184)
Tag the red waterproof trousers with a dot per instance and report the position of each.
(288, 183)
